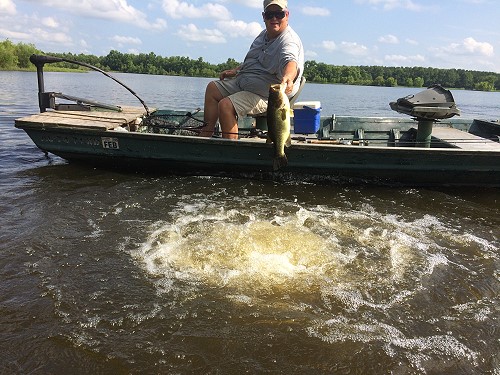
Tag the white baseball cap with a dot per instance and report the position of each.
(283, 4)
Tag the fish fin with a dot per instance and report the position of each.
(280, 162)
(283, 114)
(288, 142)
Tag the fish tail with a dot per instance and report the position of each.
(280, 162)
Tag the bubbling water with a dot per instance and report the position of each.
(241, 252)
(356, 258)
(354, 276)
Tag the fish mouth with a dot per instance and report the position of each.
(278, 87)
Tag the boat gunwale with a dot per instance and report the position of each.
(261, 142)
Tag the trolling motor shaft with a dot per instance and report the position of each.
(47, 99)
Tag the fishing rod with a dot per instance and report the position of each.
(40, 60)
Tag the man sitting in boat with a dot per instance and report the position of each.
(275, 56)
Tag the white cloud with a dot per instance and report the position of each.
(125, 40)
(394, 4)
(9, 34)
(469, 46)
(316, 11)
(193, 34)
(353, 48)
(181, 9)
(83, 43)
(114, 10)
(311, 54)
(350, 48)
(50, 22)
(329, 45)
(483, 48)
(404, 60)
(240, 28)
(248, 3)
(467, 54)
(159, 24)
(389, 39)
(52, 37)
(7, 8)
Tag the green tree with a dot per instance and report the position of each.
(229, 64)
(114, 60)
(379, 81)
(466, 79)
(484, 86)
(8, 56)
(23, 53)
(450, 78)
(418, 82)
(391, 82)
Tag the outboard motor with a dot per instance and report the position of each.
(428, 106)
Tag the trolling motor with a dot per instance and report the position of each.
(47, 99)
(427, 107)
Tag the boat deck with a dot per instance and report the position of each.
(464, 140)
(99, 120)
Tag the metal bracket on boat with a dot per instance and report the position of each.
(47, 99)
(327, 127)
(359, 136)
(394, 137)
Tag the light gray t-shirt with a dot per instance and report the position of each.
(266, 59)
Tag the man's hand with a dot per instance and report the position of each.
(288, 82)
(230, 73)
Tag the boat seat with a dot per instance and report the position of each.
(261, 118)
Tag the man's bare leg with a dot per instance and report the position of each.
(211, 110)
(227, 119)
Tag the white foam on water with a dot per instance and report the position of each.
(490, 250)
(253, 251)
(478, 311)
(96, 230)
(228, 249)
(396, 344)
(351, 265)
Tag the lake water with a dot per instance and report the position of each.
(113, 273)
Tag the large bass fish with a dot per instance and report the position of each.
(278, 124)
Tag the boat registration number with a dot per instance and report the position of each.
(110, 143)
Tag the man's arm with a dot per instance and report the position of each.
(289, 74)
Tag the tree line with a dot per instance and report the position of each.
(16, 56)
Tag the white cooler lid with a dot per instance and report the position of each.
(301, 105)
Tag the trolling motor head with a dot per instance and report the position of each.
(41, 60)
(434, 103)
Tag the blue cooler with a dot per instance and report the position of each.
(306, 116)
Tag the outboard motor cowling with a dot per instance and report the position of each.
(434, 103)
(428, 106)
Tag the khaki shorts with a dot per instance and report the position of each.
(244, 102)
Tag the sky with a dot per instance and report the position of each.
(461, 34)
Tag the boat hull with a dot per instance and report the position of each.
(171, 154)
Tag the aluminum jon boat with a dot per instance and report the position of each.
(427, 148)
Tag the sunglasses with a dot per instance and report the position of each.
(279, 15)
